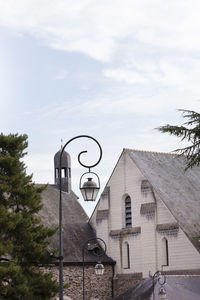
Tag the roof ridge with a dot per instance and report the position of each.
(149, 151)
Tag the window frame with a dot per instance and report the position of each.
(128, 212)
(165, 252)
(126, 256)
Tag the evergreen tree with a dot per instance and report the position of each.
(23, 239)
(189, 131)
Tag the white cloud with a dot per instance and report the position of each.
(180, 74)
(173, 24)
(96, 28)
(147, 42)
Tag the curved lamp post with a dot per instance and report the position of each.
(161, 280)
(89, 191)
(98, 251)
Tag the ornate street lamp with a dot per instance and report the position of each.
(89, 191)
(94, 248)
(161, 280)
(162, 293)
(99, 269)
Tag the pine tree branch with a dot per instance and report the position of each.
(189, 131)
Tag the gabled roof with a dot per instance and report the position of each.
(76, 229)
(178, 189)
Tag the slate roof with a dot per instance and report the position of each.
(75, 237)
(178, 189)
(141, 291)
(76, 229)
(72, 211)
(177, 287)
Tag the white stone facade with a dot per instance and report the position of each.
(154, 241)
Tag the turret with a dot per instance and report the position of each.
(65, 170)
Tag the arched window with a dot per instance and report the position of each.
(126, 256)
(128, 215)
(165, 252)
(145, 187)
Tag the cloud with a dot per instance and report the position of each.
(121, 103)
(139, 42)
(96, 28)
(177, 73)
(174, 25)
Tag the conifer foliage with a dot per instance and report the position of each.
(23, 239)
(189, 131)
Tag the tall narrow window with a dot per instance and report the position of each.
(165, 252)
(63, 172)
(126, 256)
(128, 216)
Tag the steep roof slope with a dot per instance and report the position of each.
(76, 230)
(72, 211)
(179, 189)
(177, 287)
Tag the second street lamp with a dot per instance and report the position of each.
(99, 269)
(162, 281)
(89, 190)
(162, 293)
(97, 247)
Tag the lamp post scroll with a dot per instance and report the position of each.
(89, 191)
(161, 280)
(96, 249)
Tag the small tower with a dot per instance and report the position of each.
(65, 170)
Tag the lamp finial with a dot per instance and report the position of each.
(61, 143)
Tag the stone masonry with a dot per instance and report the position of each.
(96, 287)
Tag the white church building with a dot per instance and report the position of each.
(149, 214)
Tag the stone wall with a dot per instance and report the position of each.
(96, 287)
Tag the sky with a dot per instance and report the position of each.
(111, 69)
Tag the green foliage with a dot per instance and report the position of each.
(23, 239)
(189, 131)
